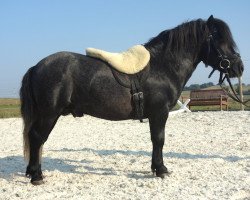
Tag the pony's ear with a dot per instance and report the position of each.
(210, 18)
(210, 22)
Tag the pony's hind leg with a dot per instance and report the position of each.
(37, 136)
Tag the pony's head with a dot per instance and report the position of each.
(220, 49)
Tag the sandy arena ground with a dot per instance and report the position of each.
(88, 158)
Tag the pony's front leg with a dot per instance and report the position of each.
(157, 129)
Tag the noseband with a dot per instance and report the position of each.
(224, 66)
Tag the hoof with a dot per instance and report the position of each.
(162, 172)
(163, 175)
(29, 175)
(37, 182)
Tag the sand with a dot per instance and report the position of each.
(208, 154)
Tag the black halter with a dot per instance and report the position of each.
(224, 66)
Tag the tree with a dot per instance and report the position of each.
(194, 87)
(206, 85)
(197, 86)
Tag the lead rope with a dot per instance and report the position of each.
(233, 96)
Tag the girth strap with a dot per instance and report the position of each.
(137, 96)
(133, 82)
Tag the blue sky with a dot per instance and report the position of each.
(31, 30)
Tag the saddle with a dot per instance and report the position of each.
(131, 61)
(129, 69)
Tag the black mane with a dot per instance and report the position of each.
(188, 35)
(180, 37)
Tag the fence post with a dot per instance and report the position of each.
(241, 92)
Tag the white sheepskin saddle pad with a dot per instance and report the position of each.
(131, 61)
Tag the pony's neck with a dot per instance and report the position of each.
(177, 52)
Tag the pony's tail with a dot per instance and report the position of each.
(27, 110)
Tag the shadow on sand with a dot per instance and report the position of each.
(182, 155)
(15, 165)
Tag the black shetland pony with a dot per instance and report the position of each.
(66, 82)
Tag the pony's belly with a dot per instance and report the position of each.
(112, 108)
(111, 111)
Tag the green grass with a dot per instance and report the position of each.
(9, 108)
